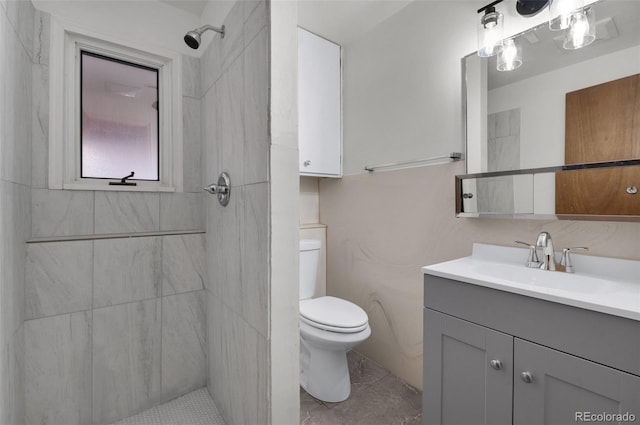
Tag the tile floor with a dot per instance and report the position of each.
(195, 408)
(377, 397)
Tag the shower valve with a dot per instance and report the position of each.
(222, 189)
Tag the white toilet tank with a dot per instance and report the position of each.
(309, 255)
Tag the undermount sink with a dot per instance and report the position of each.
(568, 282)
(607, 285)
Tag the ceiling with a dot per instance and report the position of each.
(192, 6)
(341, 21)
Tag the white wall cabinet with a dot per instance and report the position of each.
(319, 106)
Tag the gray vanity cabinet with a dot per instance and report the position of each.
(469, 371)
(563, 386)
(492, 357)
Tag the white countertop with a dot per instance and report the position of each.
(606, 285)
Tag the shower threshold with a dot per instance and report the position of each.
(195, 408)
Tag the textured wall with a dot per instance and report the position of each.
(16, 59)
(234, 77)
(115, 317)
(377, 245)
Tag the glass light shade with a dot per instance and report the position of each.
(560, 12)
(490, 32)
(510, 56)
(582, 30)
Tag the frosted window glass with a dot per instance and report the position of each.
(119, 119)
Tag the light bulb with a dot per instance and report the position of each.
(560, 13)
(490, 33)
(581, 32)
(510, 57)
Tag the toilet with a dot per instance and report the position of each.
(329, 328)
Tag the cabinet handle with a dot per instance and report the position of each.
(527, 377)
(496, 364)
(306, 163)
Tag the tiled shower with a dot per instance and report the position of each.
(119, 301)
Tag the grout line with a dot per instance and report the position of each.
(112, 305)
(161, 284)
(91, 350)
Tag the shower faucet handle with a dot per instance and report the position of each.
(214, 189)
(222, 189)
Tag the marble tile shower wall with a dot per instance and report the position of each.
(503, 153)
(113, 325)
(235, 84)
(16, 58)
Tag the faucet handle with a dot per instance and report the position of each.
(532, 261)
(566, 258)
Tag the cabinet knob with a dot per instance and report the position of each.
(306, 163)
(527, 377)
(632, 190)
(496, 364)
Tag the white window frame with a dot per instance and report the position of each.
(64, 107)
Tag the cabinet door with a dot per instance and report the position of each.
(460, 385)
(319, 105)
(563, 387)
(601, 125)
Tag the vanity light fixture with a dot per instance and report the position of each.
(510, 56)
(582, 29)
(561, 13)
(490, 30)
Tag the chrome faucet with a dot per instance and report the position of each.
(548, 259)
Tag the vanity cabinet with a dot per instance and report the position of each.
(492, 357)
(319, 106)
(563, 385)
(461, 384)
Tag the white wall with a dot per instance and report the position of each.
(149, 22)
(403, 101)
(409, 69)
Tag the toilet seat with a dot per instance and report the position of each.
(333, 314)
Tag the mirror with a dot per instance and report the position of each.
(543, 117)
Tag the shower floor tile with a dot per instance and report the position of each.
(195, 408)
(377, 397)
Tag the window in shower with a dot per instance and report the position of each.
(119, 119)
(114, 109)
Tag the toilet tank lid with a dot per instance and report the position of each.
(309, 244)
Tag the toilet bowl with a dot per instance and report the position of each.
(329, 328)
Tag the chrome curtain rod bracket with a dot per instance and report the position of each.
(453, 156)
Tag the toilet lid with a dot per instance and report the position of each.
(333, 314)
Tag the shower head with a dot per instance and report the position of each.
(192, 38)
